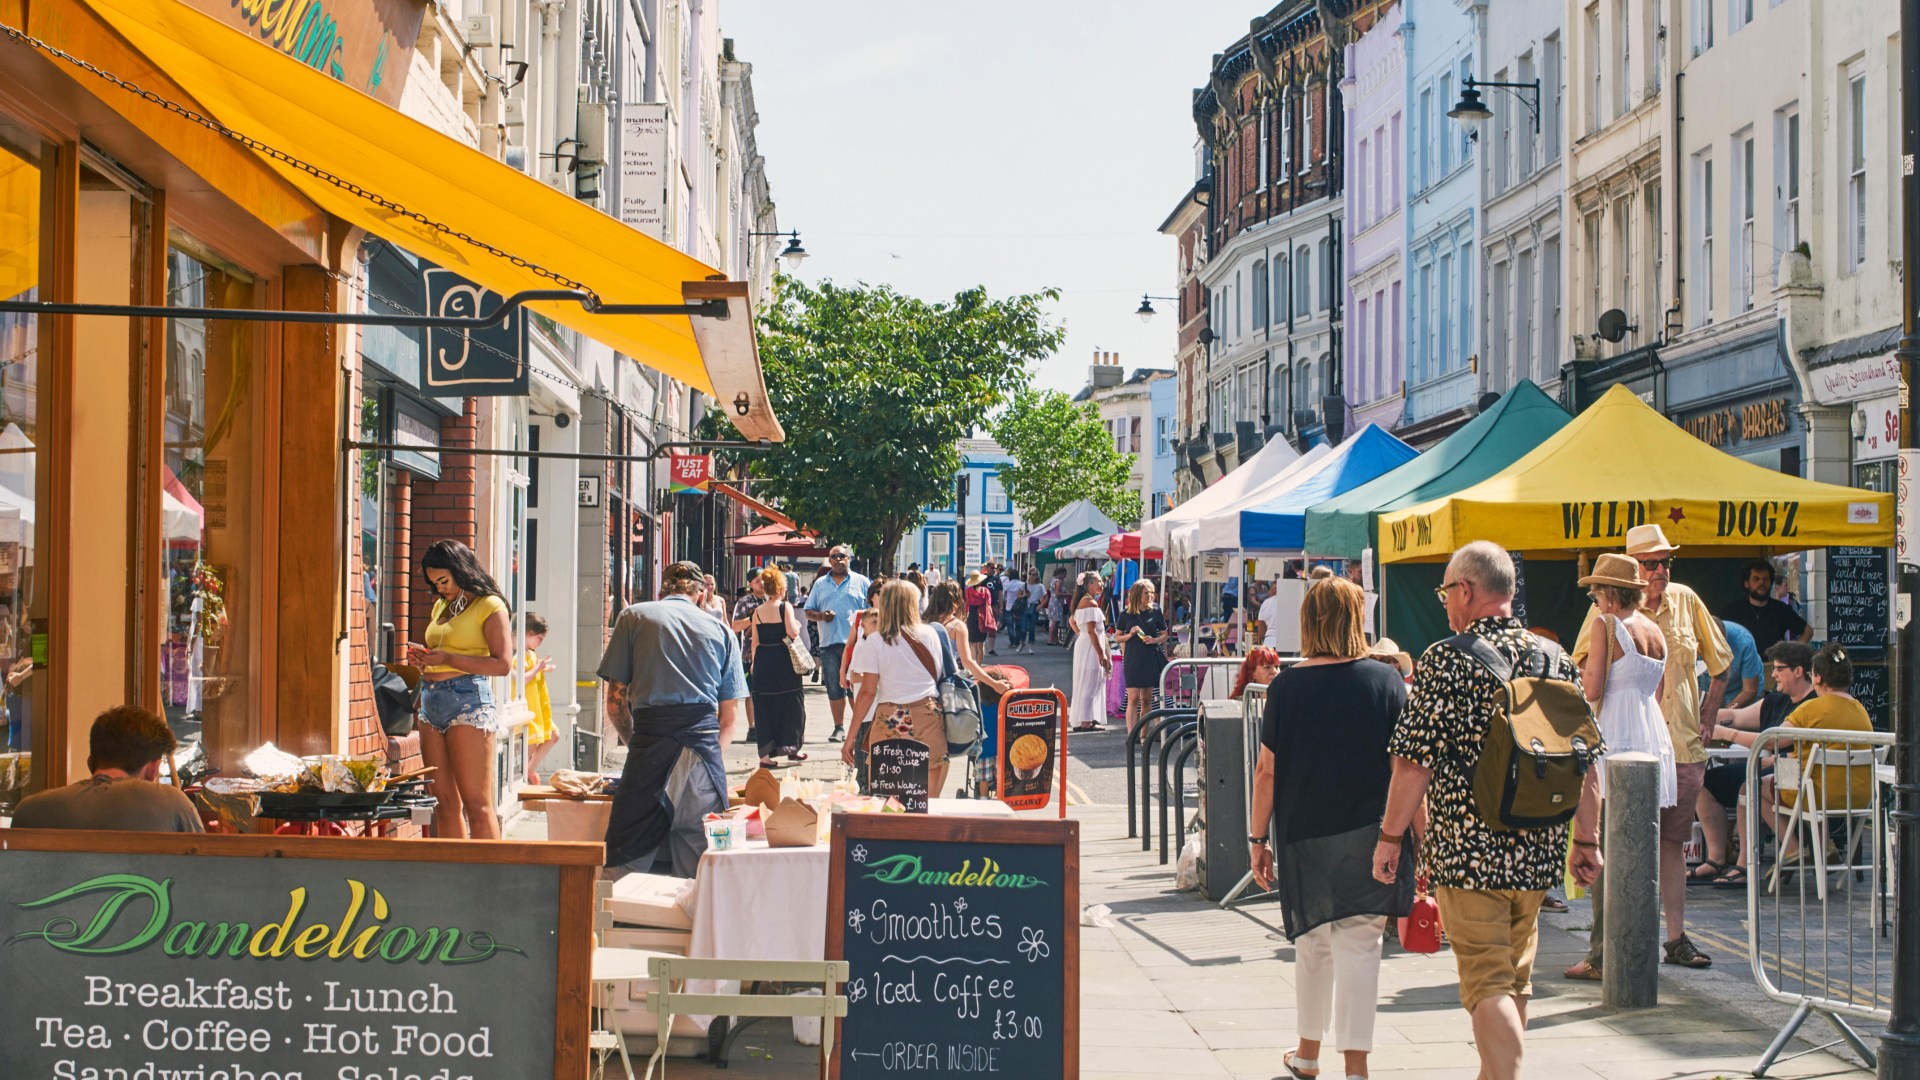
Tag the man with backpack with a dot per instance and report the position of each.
(1503, 782)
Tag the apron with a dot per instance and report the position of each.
(643, 814)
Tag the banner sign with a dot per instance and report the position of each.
(1024, 746)
(643, 173)
(367, 44)
(689, 474)
(490, 362)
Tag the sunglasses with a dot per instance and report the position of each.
(1656, 564)
(837, 558)
(1440, 591)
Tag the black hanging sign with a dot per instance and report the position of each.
(962, 941)
(490, 362)
(899, 767)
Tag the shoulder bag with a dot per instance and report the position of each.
(797, 654)
(959, 706)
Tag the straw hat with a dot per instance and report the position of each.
(974, 578)
(1389, 650)
(1621, 570)
(1648, 540)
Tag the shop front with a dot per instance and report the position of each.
(1741, 398)
(1863, 378)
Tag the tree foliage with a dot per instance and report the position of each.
(876, 389)
(1062, 453)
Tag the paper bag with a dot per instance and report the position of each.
(793, 824)
(761, 790)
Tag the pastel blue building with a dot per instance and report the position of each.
(1165, 394)
(1442, 195)
(988, 515)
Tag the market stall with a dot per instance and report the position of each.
(1277, 522)
(1617, 465)
(1071, 522)
(1277, 455)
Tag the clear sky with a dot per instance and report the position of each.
(1013, 145)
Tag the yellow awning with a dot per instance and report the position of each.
(19, 225)
(283, 103)
(1620, 464)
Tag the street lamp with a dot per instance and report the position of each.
(1145, 310)
(793, 255)
(1473, 112)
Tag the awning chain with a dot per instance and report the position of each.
(259, 147)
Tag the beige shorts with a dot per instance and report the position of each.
(1493, 933)
(917, 720)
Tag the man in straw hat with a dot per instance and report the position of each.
(1691, 634)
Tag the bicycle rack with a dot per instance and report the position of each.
(1134, 737)
(1189, 731)
(1150, 736)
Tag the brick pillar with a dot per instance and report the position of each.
(443, 509)
(399, 574)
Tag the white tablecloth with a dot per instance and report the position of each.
(768, 903)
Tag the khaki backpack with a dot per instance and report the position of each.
(1540, 742)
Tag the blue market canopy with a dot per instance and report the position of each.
(1279, 523)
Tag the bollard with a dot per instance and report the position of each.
(1630, 964)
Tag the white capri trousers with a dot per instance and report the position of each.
(1337, 978)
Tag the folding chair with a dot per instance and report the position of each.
(672, 972)
(610, 969)
(1812, 806)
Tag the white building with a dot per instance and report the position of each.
(1134, 410)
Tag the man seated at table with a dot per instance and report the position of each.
(1790, 664)
(674, 690)
(125, 748)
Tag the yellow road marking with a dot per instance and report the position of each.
(1835, 988)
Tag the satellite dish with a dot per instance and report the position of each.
(1488, 400)
(1613, 325)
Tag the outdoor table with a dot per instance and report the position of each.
(1726, 753)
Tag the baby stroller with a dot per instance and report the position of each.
(982, 776)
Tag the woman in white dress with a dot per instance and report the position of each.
(1092, 658)
(1623, 675)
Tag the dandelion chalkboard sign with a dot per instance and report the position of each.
(962, 939)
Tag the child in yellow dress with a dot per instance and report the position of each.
(540, 733)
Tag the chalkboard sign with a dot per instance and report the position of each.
(899, 767)
(962, 939)
(1874, 690)
(1857, 596)
(1519, 585)
(1030, 722)
(297, 961)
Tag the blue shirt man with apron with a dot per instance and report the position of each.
(675, 684)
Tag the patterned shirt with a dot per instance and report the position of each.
(1453, 701)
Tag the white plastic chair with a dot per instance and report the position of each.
(1813, 806)
(672, 972)
(611, 969)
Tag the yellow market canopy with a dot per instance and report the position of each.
(418, 173)
(1620, 464)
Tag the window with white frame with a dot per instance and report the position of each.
(1259, 294)
(1703, 239)
(1623, 255)
(1654, 241)
(1786, 178)
(1328, 279)
(1359, 345)
(1378, 196)
(1280, 282)
(996, 495)
(1739, 14)
(1591, 235)
(1396, 372)
(1162, 436)
(1423, 122)
(1498, 331)
(1467, 286)
(1443, 316)
(1239, 309)
(1306, 129)
(1551, 64)
(1303, 385)
(1523, 315)
(1855, 136)
(1425, 347)
(940, 548)
(1702, 20)
(1743, 271)
(1302, 281)
(1133, 435)
(1528, 148)
(1393, 167)
(997, 546)
(1502, 163)
(1622, 57)
(1286, 131)
(1380, 348)
(1550, 307)
(1260, 184)
(1591, 106)
(1220, 403)
(1442, 122)
(1277, 406)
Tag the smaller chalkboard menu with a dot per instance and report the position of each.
(1858, 591)
(962, 942)
(899, 768)
(1873, 689)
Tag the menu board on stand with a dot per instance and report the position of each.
(139, 954)
(899, 768)
(1859, 616)
(962, 939)
(1026, 754)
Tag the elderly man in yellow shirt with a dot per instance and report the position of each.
(1692, 634)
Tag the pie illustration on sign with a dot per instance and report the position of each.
(1027, 754)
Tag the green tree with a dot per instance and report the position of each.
(876, 389)
(1062, 453)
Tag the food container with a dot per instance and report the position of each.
(725, 833)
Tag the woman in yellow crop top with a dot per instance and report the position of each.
(467, 642)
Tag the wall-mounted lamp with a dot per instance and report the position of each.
(1473, 112)
(1859, 425)
(1145, 310)
(793, 254)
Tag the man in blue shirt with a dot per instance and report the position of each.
(674, 685)
(1744, 674)
(832, 603)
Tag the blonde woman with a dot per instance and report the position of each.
(1323, 788)
(896, 676)
(1143, 630)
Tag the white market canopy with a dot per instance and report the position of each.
(1070, 522)
(1274, 457)
(1093, 547)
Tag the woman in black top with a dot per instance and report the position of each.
(1143, 627)
(1322, 782)
(779, 709)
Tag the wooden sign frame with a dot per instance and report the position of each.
(579, 866)
(955, 829)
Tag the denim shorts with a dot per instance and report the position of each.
(463, 699)
(830, 670)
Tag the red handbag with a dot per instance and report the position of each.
(1420, 927)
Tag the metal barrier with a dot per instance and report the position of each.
(1186, 732)
(1140, 731)
(1842, 968)
(1147, 735)
(1196, 678)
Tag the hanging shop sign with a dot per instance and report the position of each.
(643, 173)
(1737, 424)
(489, 362)
(413, 424)
(367, 44)
(689, 474)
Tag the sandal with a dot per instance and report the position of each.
(1734, 878)
(1680, 952)
(1553, 905)
(796, 755)
(1298, 1065)
(1584, 971)
(1713, 872)
(769, 763)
